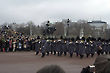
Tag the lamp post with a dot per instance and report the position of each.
(48, 30)
(68, 21)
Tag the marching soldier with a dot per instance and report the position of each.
(99, 47)
(109, 47)
(51, 44)
(104, 47)
(77, 47)
(59, 48)
(37, 46)
(88, 49)
(62, 47)
(65, 48)
(92, 49)
(47, 47)
(43, 49)
(54, 46)
(71, 48)
(81, 49)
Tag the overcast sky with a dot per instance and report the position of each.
(38, 11)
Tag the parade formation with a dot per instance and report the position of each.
(57, 46)
(71, 46)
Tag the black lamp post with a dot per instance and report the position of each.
(68, 21)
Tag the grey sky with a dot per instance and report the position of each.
(38, 11)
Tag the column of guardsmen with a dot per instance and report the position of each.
(78, 47)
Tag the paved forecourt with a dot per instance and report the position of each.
(28, 62)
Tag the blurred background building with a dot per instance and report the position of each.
(99, 28)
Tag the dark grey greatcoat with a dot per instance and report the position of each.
(88, 48)
(37, 46)
(71, 47)
(81, 49)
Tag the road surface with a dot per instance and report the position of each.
(28, 62)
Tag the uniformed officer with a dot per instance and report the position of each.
(47, 47)
(99, 47)
(81, 49)
(109, 47)
(37, 46)
(59, 47)
(87, 48)
(65, 47)
(92, 47)
(54, 46)
(43, 48)
(71, 48)
(77, 47)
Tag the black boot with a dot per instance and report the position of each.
(87, 55)
(71, 55)
(77, 54)
(47, 53)
(92, 55)
(64, 53)
(43, 54)
(98, 52)
(61, 53)
(51, 52)
(37, 53)
(58, 54)
(106, 53)
(54, 52)
(81, 56)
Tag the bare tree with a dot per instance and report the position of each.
(59, 29)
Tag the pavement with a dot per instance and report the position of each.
(28, 62)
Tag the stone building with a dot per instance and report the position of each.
(98, 28)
